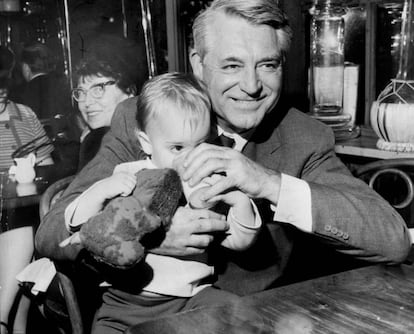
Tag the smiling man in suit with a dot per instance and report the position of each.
(282, 159)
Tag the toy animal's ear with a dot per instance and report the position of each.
(144, 141)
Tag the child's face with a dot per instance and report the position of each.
(171, 135)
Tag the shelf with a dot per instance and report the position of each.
(365, 146)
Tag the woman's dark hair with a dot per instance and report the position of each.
(117, 58)
(93, 66)
(7, 61)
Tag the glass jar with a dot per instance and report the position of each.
(392, 114)
(327, 57)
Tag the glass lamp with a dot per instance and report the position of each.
(328, 69)
(327, 57)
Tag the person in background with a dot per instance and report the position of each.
(282, 158)
(107, 76)
(46, 92)
(38, 65)
(21, 124)
(103, 79)
(18, 126)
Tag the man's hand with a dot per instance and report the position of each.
(191, 232)
(242, 173)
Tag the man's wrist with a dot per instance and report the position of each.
(271, 187)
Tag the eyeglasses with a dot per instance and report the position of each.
(97, 91)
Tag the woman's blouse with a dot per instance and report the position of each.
(22, 127)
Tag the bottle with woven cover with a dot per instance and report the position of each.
(392, 114)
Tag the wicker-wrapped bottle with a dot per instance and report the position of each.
(392, 114)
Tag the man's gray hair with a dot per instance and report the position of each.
(257, 12)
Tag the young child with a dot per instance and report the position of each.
(173, 117)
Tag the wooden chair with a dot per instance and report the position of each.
(52, 193)
(63, 310)
(393, 180)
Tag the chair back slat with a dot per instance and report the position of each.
(52, 193)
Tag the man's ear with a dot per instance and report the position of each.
(196, 64)
(144, 141)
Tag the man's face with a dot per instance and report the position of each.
(98, 112)
(243, 71)
(173, 135)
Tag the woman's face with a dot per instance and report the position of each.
(98, 112)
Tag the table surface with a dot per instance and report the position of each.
(375, 299)
(15, 195)
(366, 146)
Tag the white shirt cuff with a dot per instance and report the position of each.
(247, 227)
(241, 236)
(71, 208)
(295, 205)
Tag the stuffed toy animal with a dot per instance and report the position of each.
(114, 236)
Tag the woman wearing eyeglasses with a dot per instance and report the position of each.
(18, 126)
(101, 85)
(102, 82)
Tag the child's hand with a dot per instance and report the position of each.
(236, 199)
(196, 194)
(240, 204)
(121, 183)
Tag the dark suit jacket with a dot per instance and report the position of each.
(38, 95)
(90, 145)
(48, 95)
(347, 215)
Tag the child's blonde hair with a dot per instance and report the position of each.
(184, 89)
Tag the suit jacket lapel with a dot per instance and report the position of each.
(266, 152)
(265, 143)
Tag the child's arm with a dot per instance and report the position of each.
(93, 199)
(244, 220)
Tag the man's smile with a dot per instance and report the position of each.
(247, 102)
